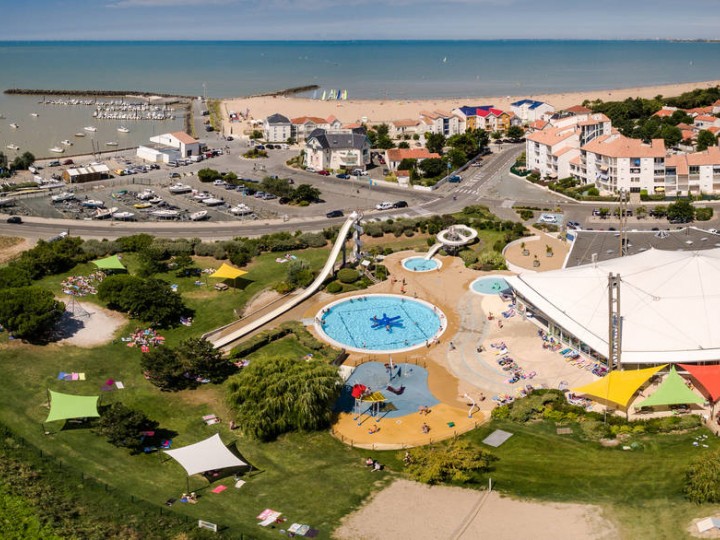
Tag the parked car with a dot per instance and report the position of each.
(323, 172)
(229, 138)
(55, 163)
(284, 200)
(342, 176)
(268, 196)
(401, 204)
(334, 214)
(209, 129)
(174, 175)
(359, 172)
(14, 219)
(259, 194)
(455, 178)
(384, 205)
(547, 218)
(310, 169)
(68, 162)
(154, 166)
(172, 163)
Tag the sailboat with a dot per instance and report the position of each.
(324, 95)
(123, 129)
(344, 94)
(57, 149)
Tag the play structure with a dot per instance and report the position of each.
(227, 335)
(452, 238)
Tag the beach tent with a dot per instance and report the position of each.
(618, 386)
(66, 406)
(228, 272)
(208, 455)
(110, 264)
(672, 391)
(707, 376)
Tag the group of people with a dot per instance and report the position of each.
(82, 285)
(192, 498)
(373, 464)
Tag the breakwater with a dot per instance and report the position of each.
(98, 93)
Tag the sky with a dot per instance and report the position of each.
(358, 19)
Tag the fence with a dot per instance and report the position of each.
(412, 443)
(101, 494)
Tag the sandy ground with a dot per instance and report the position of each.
(536, 248)
(11, 247)
(378, 111)
(411, 510)
(88, 325)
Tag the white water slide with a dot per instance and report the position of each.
(220, 340)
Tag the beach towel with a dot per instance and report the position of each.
(219, 489)
(119, 384)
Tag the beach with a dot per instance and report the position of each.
(387, 110)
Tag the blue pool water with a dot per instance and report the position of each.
(408, 381)
(420, 264)
(380, 322)
(490, 285)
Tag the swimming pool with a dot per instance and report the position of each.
(380, 323)
(421, 264)
(490, 285)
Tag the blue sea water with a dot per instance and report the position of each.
(367, 69)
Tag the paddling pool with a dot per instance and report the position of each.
(490, 285)
(380, 323)
(421, 264)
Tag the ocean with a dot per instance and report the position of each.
(366, 69)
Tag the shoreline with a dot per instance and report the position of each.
(377, 111)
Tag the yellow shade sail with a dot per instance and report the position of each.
(227, 272)
(618, 386)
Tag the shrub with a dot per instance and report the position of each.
(456, 461)
(30, 312)
(703, 214)
(334, 287)
(526, 214)
(121, 426)
(702, 480)
(348, 275)
(313, 240)
(469, 257)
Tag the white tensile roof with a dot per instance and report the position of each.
(669, 303)
(208, 455)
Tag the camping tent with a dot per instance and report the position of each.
(227, 272)
(707, 376)
(618, 386)
(110, 264)
(208, 455)
(66, 406)
(672, 391)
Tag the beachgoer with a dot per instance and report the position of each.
(232, 425)
(452, 346)
(369, 462)
(425, 428)
(407, 459)
(373, 429)
(500, 323)
(377, 466)
(192, 499)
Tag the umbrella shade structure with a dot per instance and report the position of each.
(227, 272)
(707, 376)
(110, 264)
(672, 391)
(618, 386)
(67, 406)
(208, 455)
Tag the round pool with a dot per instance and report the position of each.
(490, 285)
(380, 323)
(421, 264)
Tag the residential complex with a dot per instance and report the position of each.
(337, 149)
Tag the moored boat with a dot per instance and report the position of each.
(14, 125)
(180, 188)
(123, 129)
(66, 142)
(63, 196)
(13, 147)
(123, 215)
(57, 149)
(199, 216)
(166, 214)
(111, 143)
(79, 134)
(212, 201)
(93, 203)
(91, 129)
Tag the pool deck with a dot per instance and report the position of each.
(453, 370)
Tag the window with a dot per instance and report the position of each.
(694, 169)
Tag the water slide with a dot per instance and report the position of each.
(219, 339)
(433, 250)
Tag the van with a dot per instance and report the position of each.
(196, 158)
(172, 163)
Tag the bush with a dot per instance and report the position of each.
(151, 300)
(525, 215)
(334, 287)
(469, 257)
(457, 461)
(348, 275)
(703, 214)
(702, 480)
(122, 425)
(313, 240)
(30, 312)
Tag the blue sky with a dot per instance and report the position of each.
(358, 19)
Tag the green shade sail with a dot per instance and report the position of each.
(673, 391)
(110, 263)
(66, 406)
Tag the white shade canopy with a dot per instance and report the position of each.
(208, 455)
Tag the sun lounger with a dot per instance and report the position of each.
(219, 489)
(119, 385)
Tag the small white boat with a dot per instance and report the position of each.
(146, 195)
(165, 214)
(199, 216)
(63, 196)
(241, 210)
(79, 134)
(123, 129)
(92, 203)
(13, 147)
(91, 129)
(57, 149)
(212, 201)
(34, 114)
(155, 200)
(102, 213)
(14, 125)
(202, 196)
(180, 188)
(111, 143)
(123, 215)
(66, 142)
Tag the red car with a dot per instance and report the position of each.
(324, 172)
(67, 162)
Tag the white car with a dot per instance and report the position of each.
(547, 218)
(384, 206)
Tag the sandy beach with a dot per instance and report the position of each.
(379, 111)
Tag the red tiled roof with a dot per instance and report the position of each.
(398, 154)
(406, 122)
(578, 109)
(705, 118)
(619, 146)
(538, 124)
(304, 119)
(662, 113)
(183, 137)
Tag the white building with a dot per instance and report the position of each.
(408, 126)
(445, 123)
(179, 140)
(693, 173)
(277, 128)
(337, 149)
(158, 155)
(530, 110)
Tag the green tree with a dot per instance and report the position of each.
(153, 260)
(457, 462)
(122, 425)
(277, 186)
(23, 162)
(163, 368)
(383, 140)
(456, 157)
(203, 361)
(277, 395)
(404, 144)
(435, 142)
(30, 313)
(432, 167)
(14, 276)
(306, 192)
(298, 274)
(515, 132)
(681, 211)
(671, 135)
(705, 139)
(702, 480)
(496, 135)
(134, 243)
(640, 212)
(208, 175)
(407, 164)
(151, 300)
(256, 134)
(21, 520)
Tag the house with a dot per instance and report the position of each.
(530, 110)
(180, 141)
(442, 122)
(86, 174)
(468, 114)
(576, 110)
(695, 173)
(337, 149)
(304, 125)
(277, 128)
(706, 121)
(395, 156)
(716, 107)
(401, 128)
(493, 119)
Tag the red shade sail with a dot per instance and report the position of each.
(707, 376)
